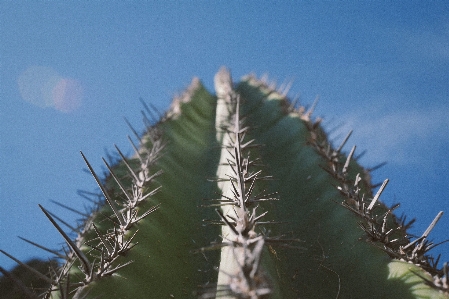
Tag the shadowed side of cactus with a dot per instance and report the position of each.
(241, 195)
(14, 284)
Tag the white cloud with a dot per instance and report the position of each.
(405, 136)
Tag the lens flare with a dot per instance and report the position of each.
(67, 94)
(44, 87)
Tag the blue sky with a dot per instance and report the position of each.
(380, 68)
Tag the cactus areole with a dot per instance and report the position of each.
(237, 194)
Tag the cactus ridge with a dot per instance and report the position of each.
(240, 271)
(235, 134)
(107, 247)
(382, 228)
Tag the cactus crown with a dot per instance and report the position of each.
(158, 230)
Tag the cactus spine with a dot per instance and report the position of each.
(152, 234)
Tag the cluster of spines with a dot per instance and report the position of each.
(241, 217)
(246, 243)
(383, 230)
(106, 248)
(381, 227)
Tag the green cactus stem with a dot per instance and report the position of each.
(238, 194)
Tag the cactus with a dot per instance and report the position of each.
(237, 195)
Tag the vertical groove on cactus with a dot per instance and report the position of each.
(191, 214)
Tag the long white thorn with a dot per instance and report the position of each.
(105, 193)
(379, 192)
(84, 261)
